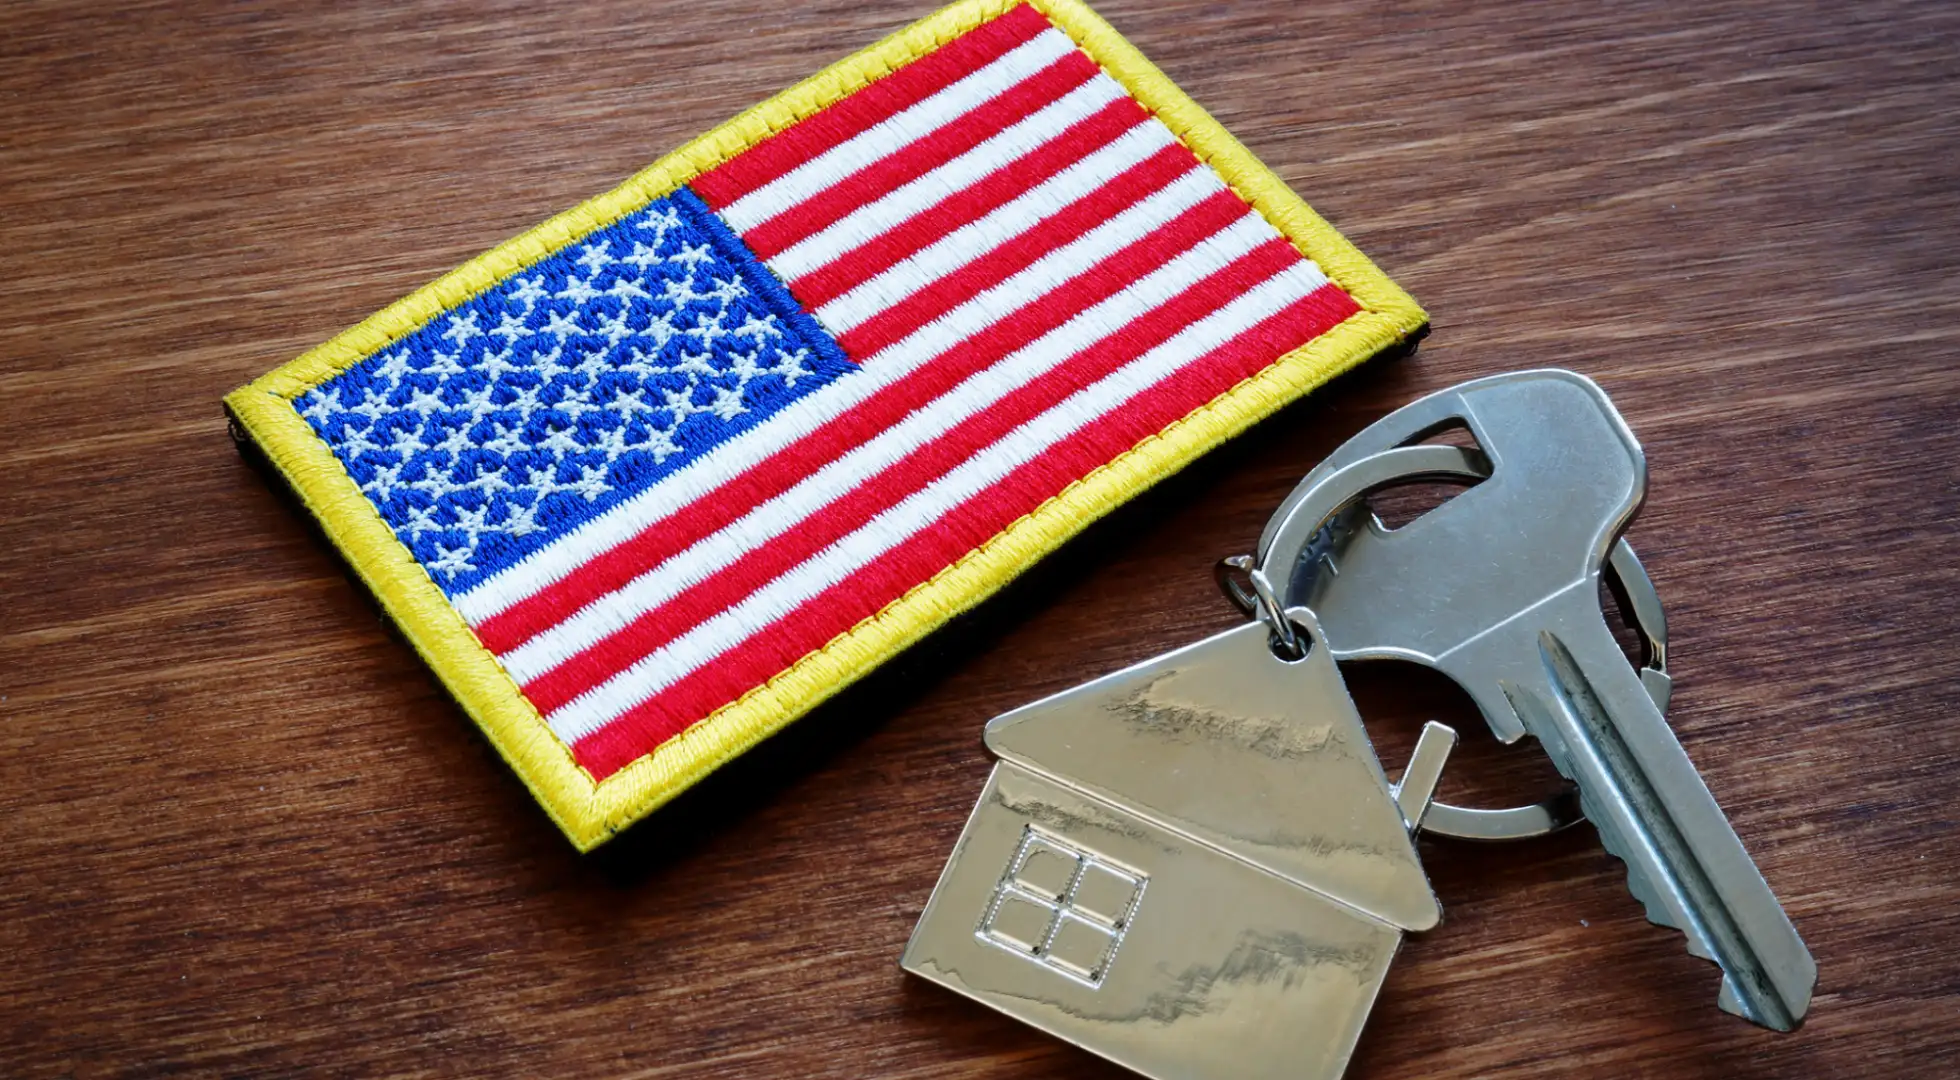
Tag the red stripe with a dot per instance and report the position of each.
(780, 645)
(777, 473)
(1132, 186)
(650, 631)
(862, 110)
(997, 188)
(888, 174)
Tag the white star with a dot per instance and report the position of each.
(591, 482)
(759, 329)
(728, 291)
(561, 443)
(528, 400)
(596, 256)
(547, 365)
(426, 402)
(593, 363)
(578, 291)
(707, 330)
(612, 444)
(497, 365)
(577, 403)
(680, 402)
(433, 482)
(544, 480)
(511, 327)
(659, 442)
(472, 522)
(520, 520)
(455, 442)
(421, 519)
(627, 290)
(660, 222)
(696, 364)
(354, 442)
(445, 364)
(462, 328)
(491, 482)
(374, 405)
(644, 257)
(324, 404)
(452, 562)
(728, 403)
(563, 324)
(791, 367)
(743, 365)
(692, 255)
(637, 363)
(507, 441)
(679, 292)
(529, 291)
(385, 479)
(629, 403)
(393, 367)
(408, 442)
(614, 327)
(661, 329)
(479, 401)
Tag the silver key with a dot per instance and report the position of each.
(1499, 589)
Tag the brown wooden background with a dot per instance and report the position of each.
(242, 832)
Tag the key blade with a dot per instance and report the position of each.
(1653, 811)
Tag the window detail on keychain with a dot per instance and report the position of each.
(1063, 907)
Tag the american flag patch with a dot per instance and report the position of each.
(653, 480)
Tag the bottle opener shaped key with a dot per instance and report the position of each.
(1196, 866)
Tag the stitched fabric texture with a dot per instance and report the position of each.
(1004, 353)
(657, 483)
(532, 409)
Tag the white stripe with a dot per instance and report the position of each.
(785, 512)
(1000, 154)
(962, 247)
(552, 563)
(691, 650)
(898, 131)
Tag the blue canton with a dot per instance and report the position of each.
(511, 419)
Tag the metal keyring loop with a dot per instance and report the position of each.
(1229, 585)
(1261, 603)
(1446, 463)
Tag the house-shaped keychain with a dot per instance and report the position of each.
(1194, 867)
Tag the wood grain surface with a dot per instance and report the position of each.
(244, 833)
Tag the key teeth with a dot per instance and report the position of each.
(1730, 1002)
(1661, 914)
(1643, 888)
(1650, 896)
(1698, 947)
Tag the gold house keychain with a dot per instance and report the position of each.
(1196, 867)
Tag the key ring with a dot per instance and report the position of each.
(1305, 523)
(1260, 603)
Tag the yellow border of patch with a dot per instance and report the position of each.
(589, 812)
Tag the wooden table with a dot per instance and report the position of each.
(245, 833)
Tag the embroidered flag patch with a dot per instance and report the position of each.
(653, 480)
